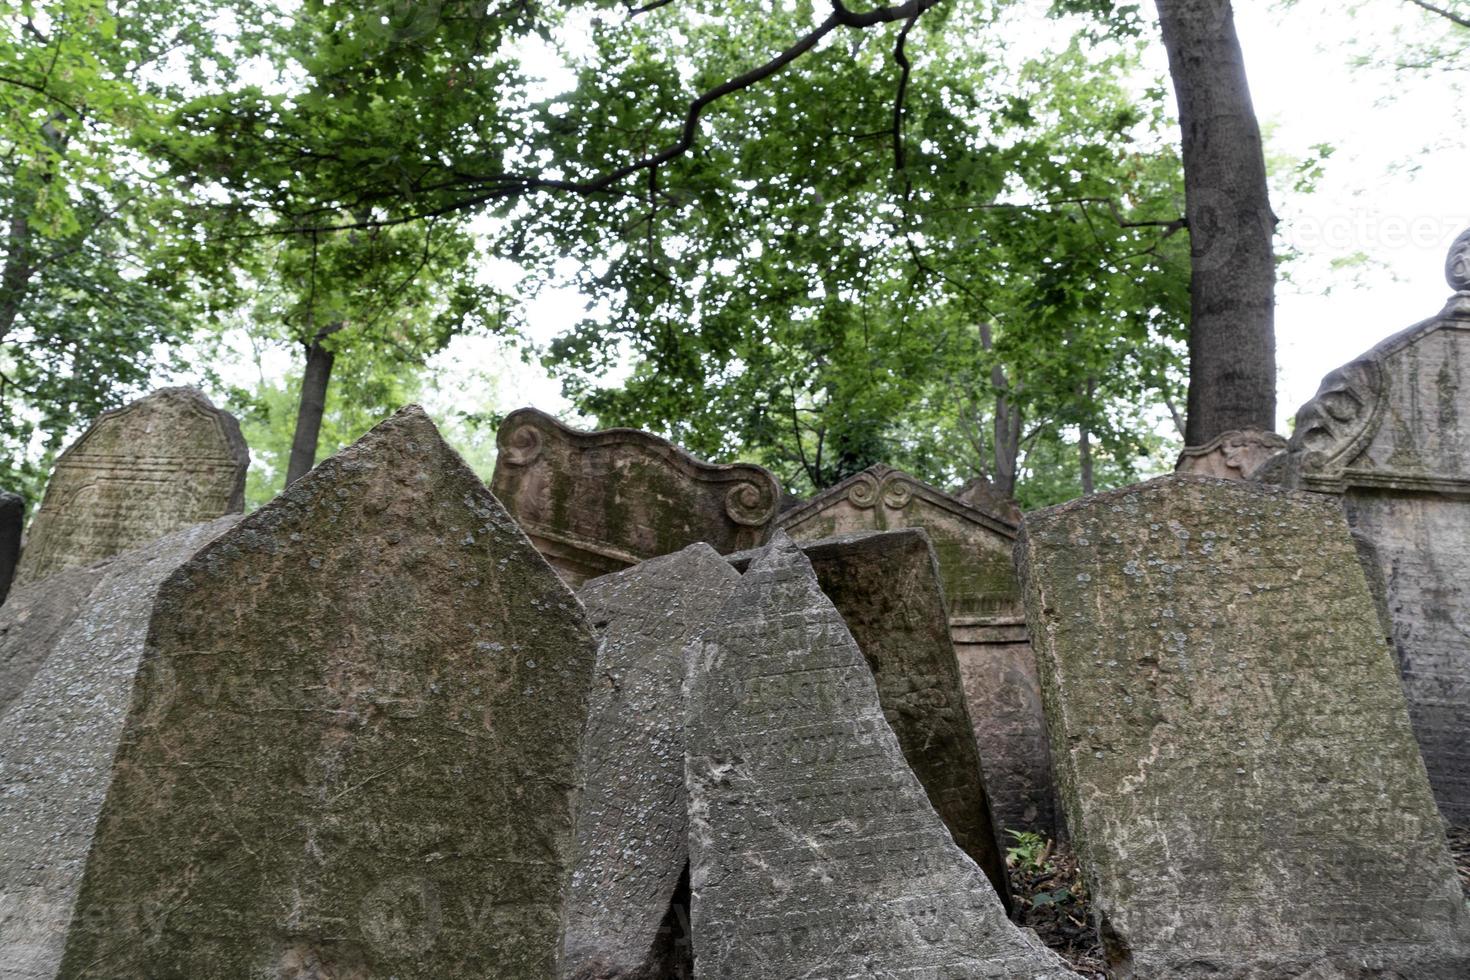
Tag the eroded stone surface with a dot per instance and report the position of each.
(12, 524)
(987, 626)
(886, 587)
(1389, 434)
(57, 738)
(1234, 753)
(352, 751)
(814, 850)
(163, 462)
(32, 618)
(632, 822)
(597, 502)
(1234, 455)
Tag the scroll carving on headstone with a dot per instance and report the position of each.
(1234, 455)
(597, 502)
(164, 462)
(814, 850)
(1389, 434)
(353, 749)
(987, 625)
(1233, 748)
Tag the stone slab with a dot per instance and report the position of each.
(353, 752)
(632, 821)
(814, 851)
(57, 738)
(31, 620)
(885, 585)
(12, 526)
(597, 502)
(164, 462)
(1234, 752)
(974, 548)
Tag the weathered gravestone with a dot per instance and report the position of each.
(1233, 749)
(1389, 435)
(885, 585)
(12, 524)
(1233, 455)
(597, 502)
(164, 462)
(987, 625)
(813, 849)
(632, 824)
(32, 618)
(57, 737)
(353, 749)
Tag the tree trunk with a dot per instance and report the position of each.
(1007, 442)
(1084, 458)
(313, 404)
(1232, 343)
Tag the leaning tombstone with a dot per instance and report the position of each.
(1233, 455)
(164, 462)
(885, 585)
(597, 502)
(632, 824)
(1234, 753)
(57, 737)
(12, 523)
(1389, 436)
(813, 848)
(352, 751)
(986, 624)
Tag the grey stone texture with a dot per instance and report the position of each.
(1233, 455)
(353, 749)
(597, 502)
(814, 851)
(1234, 752)
(164, 462)
(885, 585)
(1389, 435)
(12, 526)
(31, 619)
(632, 822)
(85, 629)
(987, 623)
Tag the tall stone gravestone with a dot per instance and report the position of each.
(632, 822)
(987, 625)
(1233, 749)
(82, 631)
(352, 751)
(597, 502)
(885, 585)
(814, 851)
(12, 524)
(163, 462)
(1389, 435)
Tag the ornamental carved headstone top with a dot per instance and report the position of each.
(354, 752)
(1233, 455)
(987, 626)
(1389, 434)
(596, 502)
(57, 737)
(1457, 265)
(1233, 748)
(813, 848)
(632, 820)
(166, 461)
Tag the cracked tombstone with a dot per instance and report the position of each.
(57, 737)
(632, 824)
(814, 851)
(164, 462)
(1234, 752)
(886, 586)
(355, 752)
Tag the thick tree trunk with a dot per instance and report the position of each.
(1232, 343)
(309, 415)
(1007, 442)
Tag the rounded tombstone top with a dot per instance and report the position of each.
(1457, 266)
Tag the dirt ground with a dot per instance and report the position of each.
(1050, 898)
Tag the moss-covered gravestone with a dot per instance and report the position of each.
(353, 749)
(77, 639)
(631, 821)
(164, 462)
(1234, 753)
(814, 851)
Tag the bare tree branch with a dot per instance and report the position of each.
(1448, 15)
